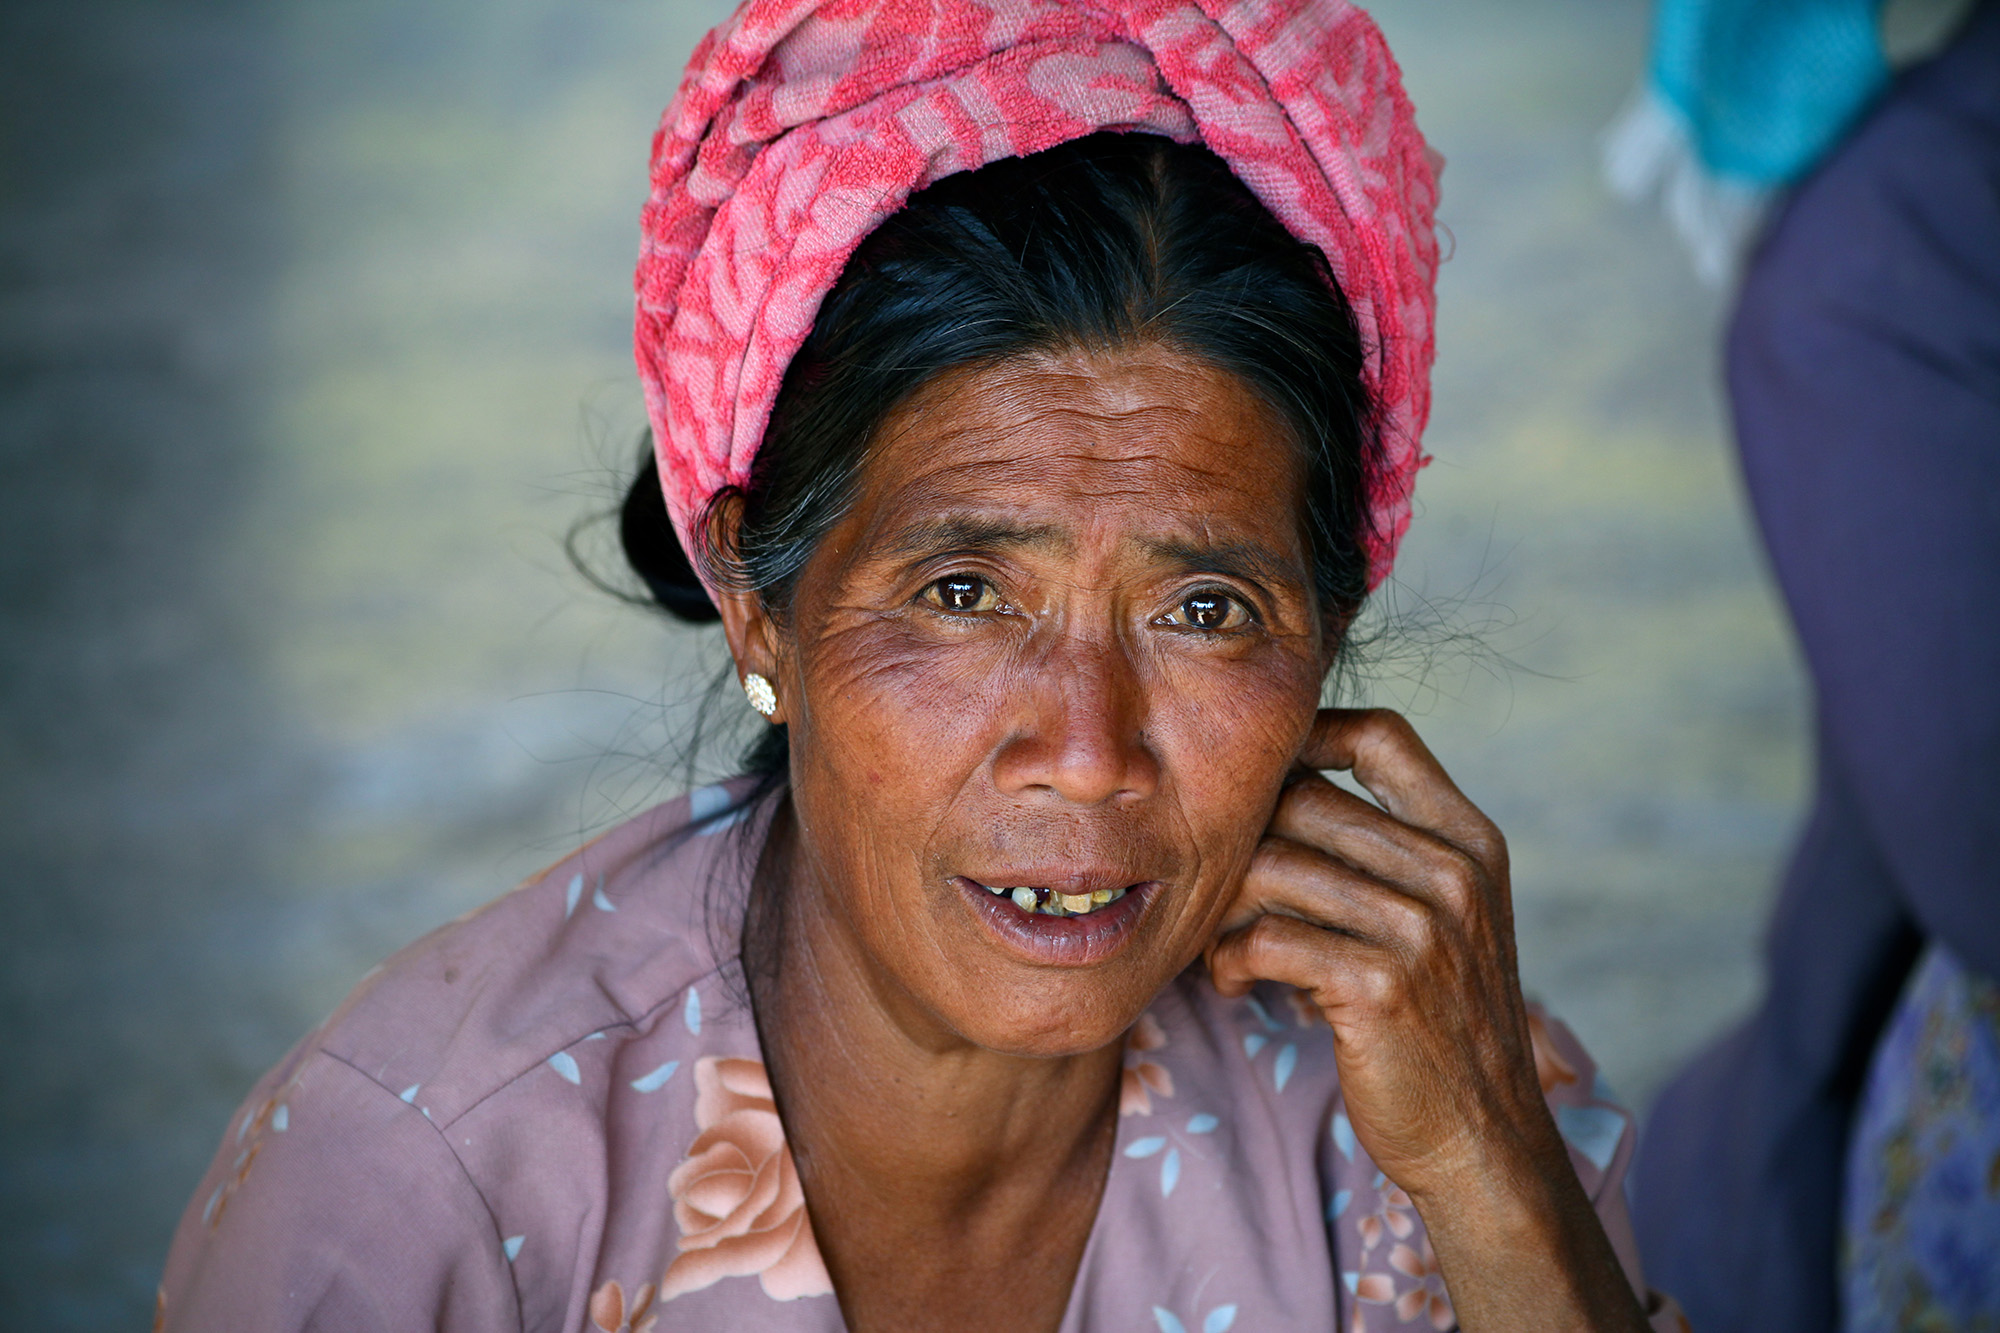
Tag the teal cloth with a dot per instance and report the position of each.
(1766, 87)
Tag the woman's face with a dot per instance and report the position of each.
(1065, 642)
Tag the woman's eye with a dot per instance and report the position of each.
(963, 594)
(1210, 611)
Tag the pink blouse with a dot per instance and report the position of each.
(553, 1114)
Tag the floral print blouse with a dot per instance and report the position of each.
(553, 1115)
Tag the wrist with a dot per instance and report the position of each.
(1520, 1246)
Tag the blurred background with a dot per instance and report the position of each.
(314, 344)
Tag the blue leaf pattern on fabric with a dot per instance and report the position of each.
(1343, 1135)
(1352, 1281)
(704, 805)
(409, 1094)
(597, 898)
(656, 1080)
(1170, 1172)
(1203, 1124)
(1146, 1147)
(1593, 1131)
(1263, 1015)
(1168, 1321)
(1341, 1199)
(692, 1014)
(1281, 1071)
(565, 1064)
(281, 1119)
(570, 898)
(511, 1247)
(1253, 1043)
(1219, 1319)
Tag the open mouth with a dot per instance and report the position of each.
(1049, 902)
(1047, 926)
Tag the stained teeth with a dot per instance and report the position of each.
(1044, 902)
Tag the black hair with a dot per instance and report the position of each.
(1106, 241)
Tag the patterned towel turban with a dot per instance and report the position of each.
(802, 124)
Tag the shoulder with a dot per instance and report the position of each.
(609, 935)
(388, 1172)
(331, 1205)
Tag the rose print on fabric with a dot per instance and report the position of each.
(1142, 1077)
(608, 1312)
(1428, 1295)
(1388, 1229)
(736, 1194)
(1393, 1213)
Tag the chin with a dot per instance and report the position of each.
(1042, 1022)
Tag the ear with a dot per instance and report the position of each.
(754, 638)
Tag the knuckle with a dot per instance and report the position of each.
(1376, 725)
(1270, 855)
(1416, 926)
(1262, 942)
(1458, 878)
(1381, 985)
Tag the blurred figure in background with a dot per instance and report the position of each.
(1835, 1162)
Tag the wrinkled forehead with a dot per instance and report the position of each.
(1084, 450)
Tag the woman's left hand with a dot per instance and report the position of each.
(1397, 922)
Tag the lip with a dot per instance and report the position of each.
(1059, 941)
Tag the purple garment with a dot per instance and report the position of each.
(552, 1114)
(1864, 366)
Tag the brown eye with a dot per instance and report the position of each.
(1210, 611)
(963, 594)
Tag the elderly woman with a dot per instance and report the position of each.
(1036, 390)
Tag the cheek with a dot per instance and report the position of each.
(896, 715)
(1229, 733)
(894, 730)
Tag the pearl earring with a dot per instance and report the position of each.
(762, 697)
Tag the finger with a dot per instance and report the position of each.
(1387, 758)
(1302, 882)
(1318, 814)
(1335, 970)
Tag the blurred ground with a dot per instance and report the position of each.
(313, 329)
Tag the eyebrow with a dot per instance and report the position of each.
(1244, 560)
(967, 533)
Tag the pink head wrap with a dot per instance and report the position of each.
(802, 124)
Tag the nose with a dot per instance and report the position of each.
(1079, 730)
